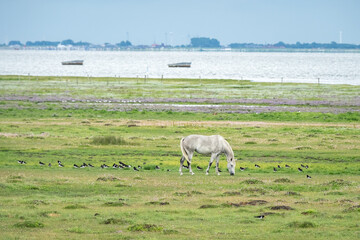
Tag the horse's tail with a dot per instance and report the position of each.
(184, 153)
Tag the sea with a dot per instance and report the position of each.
(299, 67)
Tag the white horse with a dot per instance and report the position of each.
(214, 145)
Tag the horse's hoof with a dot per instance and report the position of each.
(181, 174)
(192, 173)
(207, 173)
(218, 174)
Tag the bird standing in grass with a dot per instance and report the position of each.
(41, 163)
(242, 169)
(199, 168)
(135, 169)
(157, 167)
(275, 170)
(308, 177)
(76, 166)
(300, 170)
(260, 217)
(257, 166)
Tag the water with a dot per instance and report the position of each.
(333, 68)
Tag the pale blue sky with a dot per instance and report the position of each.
(176, 21)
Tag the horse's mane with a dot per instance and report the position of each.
(230, 149)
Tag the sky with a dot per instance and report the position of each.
(175, 22)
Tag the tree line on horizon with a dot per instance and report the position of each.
(197, 42)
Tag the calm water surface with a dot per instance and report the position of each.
(334, 68)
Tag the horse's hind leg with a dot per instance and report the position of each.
(190, 155)
(182, 159)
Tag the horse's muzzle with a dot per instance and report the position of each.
(232, 174)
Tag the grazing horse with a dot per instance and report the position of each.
(214, 145)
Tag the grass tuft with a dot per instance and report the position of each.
(115, 221)
(305, 224)
(145, 228)
(108, 140)
(252, 181)
(75, 206)
(29, 224)
(282, 180)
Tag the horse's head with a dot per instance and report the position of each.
(231, 165)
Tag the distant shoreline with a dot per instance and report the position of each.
(270, 50)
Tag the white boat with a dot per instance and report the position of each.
(73, 62)
(181, 64)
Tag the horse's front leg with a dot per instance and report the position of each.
(210, 163)
(217, 165)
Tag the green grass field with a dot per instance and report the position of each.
(42, 202)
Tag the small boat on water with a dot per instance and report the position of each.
(74, 62)
(181, 64)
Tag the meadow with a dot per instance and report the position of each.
(140, 122)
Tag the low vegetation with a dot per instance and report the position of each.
(41, 200)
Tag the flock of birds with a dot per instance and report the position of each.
(124, 165)
(84, 165)
(286, 166)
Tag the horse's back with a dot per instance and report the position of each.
(205, 144)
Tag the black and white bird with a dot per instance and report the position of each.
(42, 164)
(168, 170)
(219, 170)
(279, 166)
(300, 170)
(199, 168)
(49, 164)
(59, 162)
(90, 165)
(104, 166)
(275, 170)
(308, 177)
(115, 165)
(257, 166)
(21, 162)
(306, 166)
(124, 165)
(157, 167)
(76, 166)
(135, 169)
(303, 165)
(287, 166)
(242, 169)
(187, 167)
(260, 217)
(60, 165)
